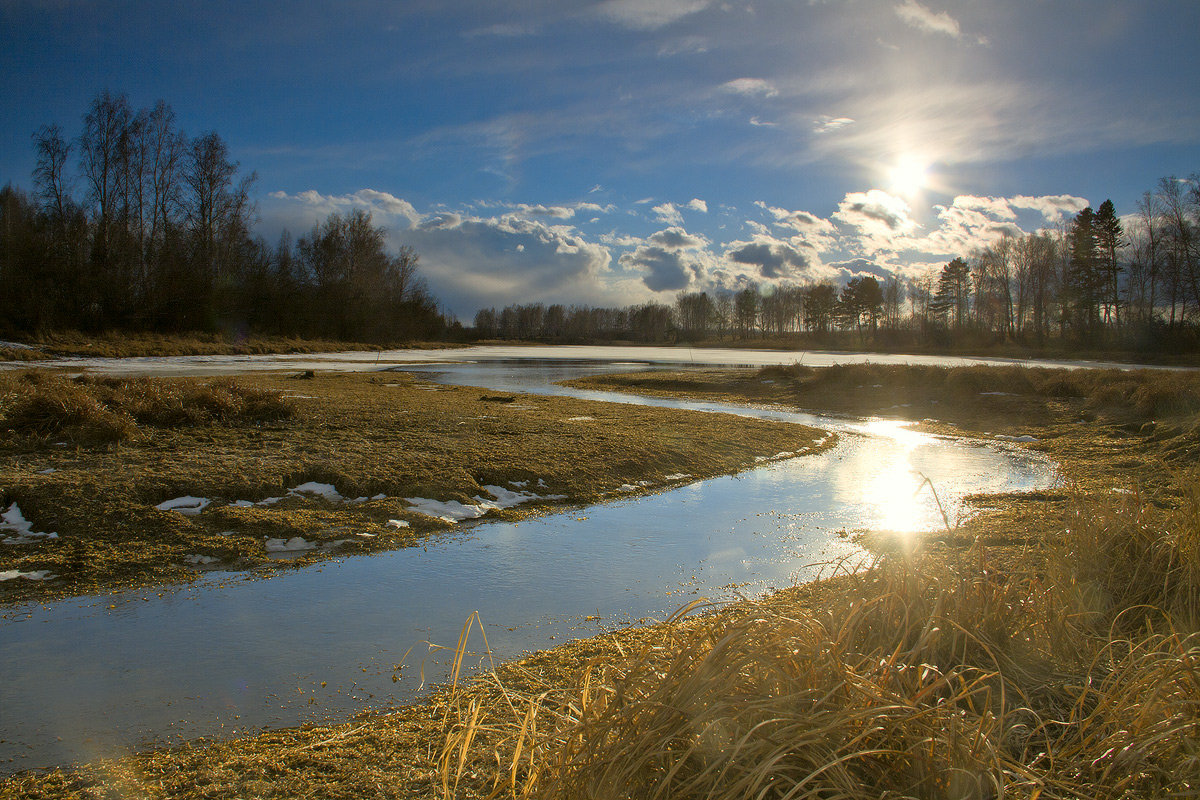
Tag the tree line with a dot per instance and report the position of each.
(133, 225)
(1095, 281)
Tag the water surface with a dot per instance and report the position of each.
(100, 676)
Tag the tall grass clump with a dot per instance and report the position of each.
(88, 410)
(1076, 677)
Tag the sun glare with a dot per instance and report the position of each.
(909, 176)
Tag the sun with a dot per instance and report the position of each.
(909, 176)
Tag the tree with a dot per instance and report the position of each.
(1110, 238)
(862, 302)
(1085, 280)
(745, 309)
(952, 298)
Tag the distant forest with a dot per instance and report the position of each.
(1094, 283)
(133, 225)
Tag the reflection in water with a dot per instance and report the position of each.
(86, 678)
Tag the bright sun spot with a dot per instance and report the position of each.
(909, 176)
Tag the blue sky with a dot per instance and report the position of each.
(622, 151)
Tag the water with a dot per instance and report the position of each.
(235, 652)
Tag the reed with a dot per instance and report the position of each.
(914, 678)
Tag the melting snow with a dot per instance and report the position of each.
(13, 520)
(581, 419)
(47, 471)
(33, 575)
(391, 523)
(677, 476)
(325, 490)
(1024, 438)
(195, 558)
(453, 511)
(185, 505)
(295, 544)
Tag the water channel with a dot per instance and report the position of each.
(233, 652)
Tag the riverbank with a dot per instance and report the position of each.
(112, 483)
(1062, 669)
(138, 345)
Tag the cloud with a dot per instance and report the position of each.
(772, 258)
(826, 124)
(649, 14)
(750, 87)
(696, 204)
(665, 270)
(504, 30)
(675, 238)
(758, 123)
(1052, 207)
(875, 212)
(924, 19)
(668, 213)
(380, 204)
(470, 261)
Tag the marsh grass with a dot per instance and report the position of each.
(115, 344)
(908, 680)
(90, 459)
(89, 411)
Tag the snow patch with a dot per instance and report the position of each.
(13, 520)
(325, 490)
(196, 558)
(391, 523)
(581, 419)
(453, 511)
(677, 476)
(32, 575)
(191, 506)
(1023, 438)
(47, 471)
(293, 545)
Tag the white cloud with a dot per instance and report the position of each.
(758, 123)
(875, 213)
(825, 123)
(927, 20)
(649, 14)
(1052, 207)
(750, 87)
(668, 213)
(696, 204)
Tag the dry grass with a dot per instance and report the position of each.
(90, 411)
(114, 344)
(952, 682)
(1064, 663)
(96, 456)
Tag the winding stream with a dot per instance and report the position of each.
(233, 652)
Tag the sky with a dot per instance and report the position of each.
(611, 152)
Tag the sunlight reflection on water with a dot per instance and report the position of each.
(95, 676)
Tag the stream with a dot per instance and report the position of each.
(233, 653)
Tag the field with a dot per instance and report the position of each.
(1045, 647)
(310, 468)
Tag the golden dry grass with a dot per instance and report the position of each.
(257, 437)
(1062, 663)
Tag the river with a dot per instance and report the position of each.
(234, 652)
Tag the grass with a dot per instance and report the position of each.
(114, 344)
(1047, 647)
(89, 459)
